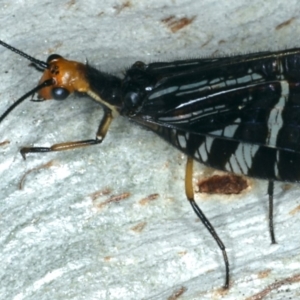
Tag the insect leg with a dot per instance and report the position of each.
(102, 130)
(271, 225)
(190, 196)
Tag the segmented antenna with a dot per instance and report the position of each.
(19, 101)
(37, 62)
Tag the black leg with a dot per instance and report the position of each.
(271, 225)
(190, 196)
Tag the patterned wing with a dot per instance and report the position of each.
(238, 114)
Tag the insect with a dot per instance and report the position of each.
(238, 114)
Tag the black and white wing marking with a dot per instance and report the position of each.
(238, 114)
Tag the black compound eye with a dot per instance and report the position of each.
(52, 57)
(60, 93)
(132, 99)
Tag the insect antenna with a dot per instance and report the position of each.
(40, 86)
(37, 62)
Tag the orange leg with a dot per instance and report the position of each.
(101, 133)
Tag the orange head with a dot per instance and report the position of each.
(67, 77)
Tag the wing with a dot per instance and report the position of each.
(251, 99)
(237, 114)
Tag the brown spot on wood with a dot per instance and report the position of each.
(114, 198)
(274, 286)
(205, 43)
(4, 143)
(168, 19)
(43, 166)
(285, 23)
(286, 186)
(263, 274)
(139, 227)
(54, 49)
(122, 6)
(177, 293)
(222, 184)
(97, 194)
(107, 258)
(70, 3)
(175, 24)
(215, 53)
(221, 291)
(149, 198)
(295, 210)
